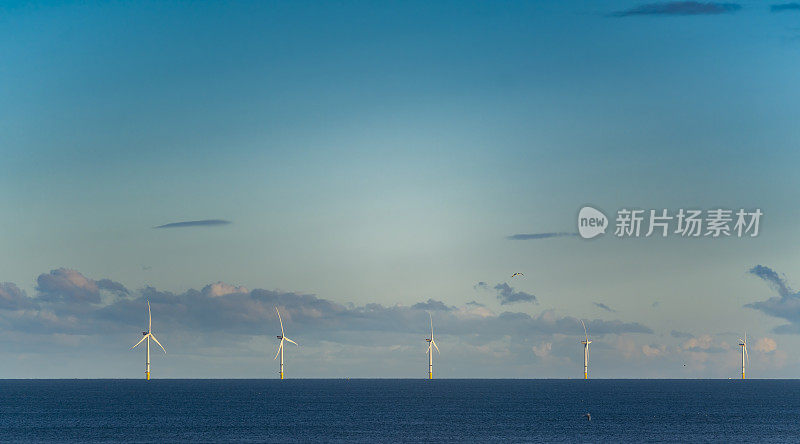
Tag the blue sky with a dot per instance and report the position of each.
(381, 153)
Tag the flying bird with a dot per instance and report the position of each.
(517, 274)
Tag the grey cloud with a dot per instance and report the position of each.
(68, 286)
(680, 8)
(781, 7)
(115, 287)
(65, 285)
(680, 334)
(475, 304)
(431, 304)
(507, 295)
(784, 306)
(195, 223)
(12, 298)
(604, 307)
(534, 236)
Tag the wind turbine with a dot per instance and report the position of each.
(148, 335)
(431, 345)
(282, 338)
(743, 344)
(585, 343)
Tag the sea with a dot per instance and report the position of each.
(399, 410)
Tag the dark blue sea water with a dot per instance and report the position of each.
(400, 410)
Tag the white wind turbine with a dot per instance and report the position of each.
(743, 344)
(585, 343)
(431, 346)
(282, 338)
(148, 335)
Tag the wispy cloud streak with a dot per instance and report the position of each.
(604, 307)
(195, 223)
(680, 8)
(534, 236)
(782, 7)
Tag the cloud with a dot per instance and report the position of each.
(604, 307)
(195, 223)
(705, 344)
(65, 285)
(221, 289)
(534, 236)
(12, 298)
(680, 334)
(680, 8)
(542, 350)
(507, 295)
(781, 7)
(115, 287)
(784, 306)
(431, 304)
(765, 345)
(653, 350)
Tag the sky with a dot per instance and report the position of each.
(363, 164)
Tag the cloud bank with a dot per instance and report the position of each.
(67, 302)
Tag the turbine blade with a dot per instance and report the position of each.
(431, 316)
(295, 343)
(279, 319)
(149, 318)
(746, 355)
(159, 344)
(585, 332)
(140, 341)
(279, 350)
(437, 348)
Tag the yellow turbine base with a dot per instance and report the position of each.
(430, 375)
(281, 375)
(585, 375)
(742, 375)
(147, 375)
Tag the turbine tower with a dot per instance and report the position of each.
(148, 335)
(431, 345)
(585, 343)
(743, 344)
(282, 338)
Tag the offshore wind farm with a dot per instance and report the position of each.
(590, 206)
